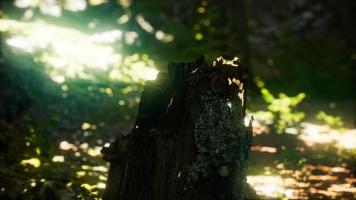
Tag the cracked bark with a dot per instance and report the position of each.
(189, 140)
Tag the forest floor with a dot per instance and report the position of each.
(310, 162)
(319, 163)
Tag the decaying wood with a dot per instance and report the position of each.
(189, 140)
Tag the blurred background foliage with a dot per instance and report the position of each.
(72, 72)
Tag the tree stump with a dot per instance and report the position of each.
(189, 141)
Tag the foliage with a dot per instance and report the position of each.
(332, 121)
(73, 71)
(289, 43)
(282, 108)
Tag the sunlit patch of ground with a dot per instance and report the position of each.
(326, 166)
(323, 134)
(76, 171)
(91, 175)
(309, 182)
(271, 186)
(287, 166)
(276, 180)
(259, 148)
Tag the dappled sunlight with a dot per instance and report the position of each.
(97, 2)
(87, 125)
(91, 172)
(310, 133)
(260, 117)
(125, 3)
(323, 134)
(270, 186)
(35, 162)
(70, 53)
(144, 24)
(342, 188)
(50, 7)
(267, 149)
(163, 37)
(64, 145)
(320, 180)
(95, 151)
(123, 19)
(84, 147)
(295, 177)
(95, 168)
(74, 71)
(58, 158)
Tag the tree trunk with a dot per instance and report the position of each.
(189, 140)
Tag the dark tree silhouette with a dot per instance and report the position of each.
(189, 140)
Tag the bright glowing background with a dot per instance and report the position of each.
(69, 53)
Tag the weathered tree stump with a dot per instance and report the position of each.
(189, 141)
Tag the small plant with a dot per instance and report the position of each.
(332, 121)
(282, 107)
